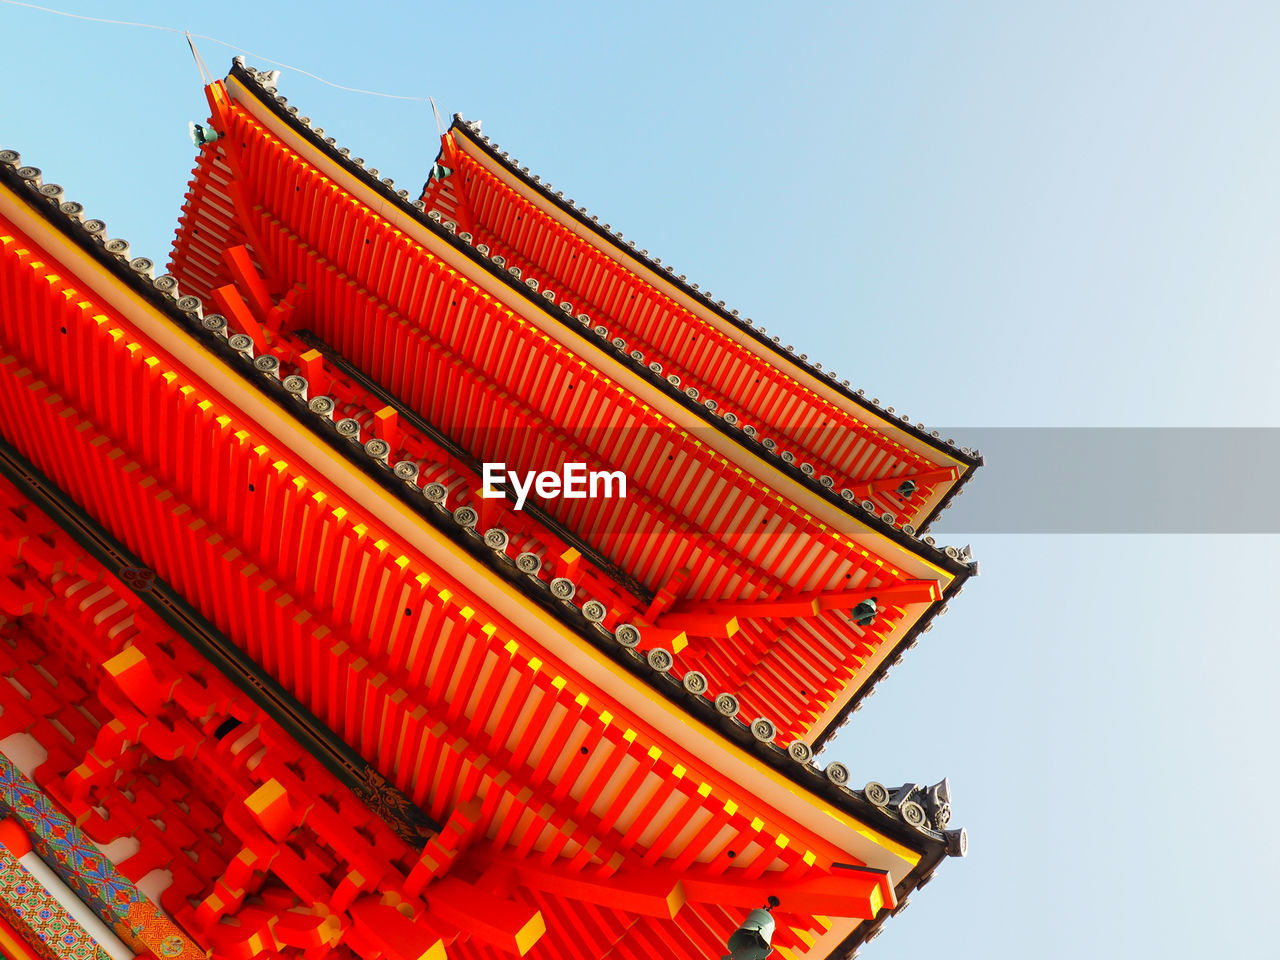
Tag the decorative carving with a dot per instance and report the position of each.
(137, 579)
(937, 801)
(395, 809)
(876, 793)
(695, 683)
(913, 813)
(800, 751)
(660, 660)
(957, 842)
(627, 634)
(927, 809)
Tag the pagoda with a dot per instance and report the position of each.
(319, 638)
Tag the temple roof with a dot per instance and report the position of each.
(265, 92)
(956, 563)
(914, 816)
(829, 782)
(783, 354)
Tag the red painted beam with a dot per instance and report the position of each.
(846, 893)
(920, 479)
(654, 893)
(800, 604)
(492, 920)
(239, 316)
(246, 277)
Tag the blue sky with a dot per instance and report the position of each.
(987, 214)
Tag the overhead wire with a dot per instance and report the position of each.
(231, 46)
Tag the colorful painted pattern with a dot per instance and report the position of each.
(41, 920)
(82, 867)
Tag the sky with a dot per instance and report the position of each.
(992, 215)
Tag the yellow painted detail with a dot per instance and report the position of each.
(126, 658)
(530, 933)
(264, 796)
(897, 849)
